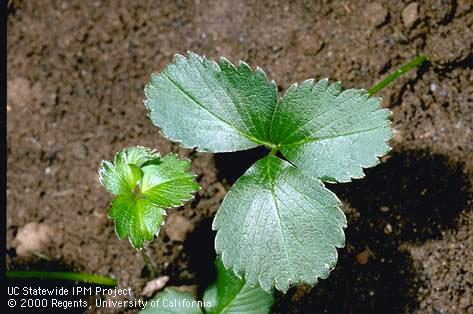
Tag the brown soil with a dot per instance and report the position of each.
(75, 89)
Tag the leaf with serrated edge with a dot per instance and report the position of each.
(121, 176)
(168, 184)
(279, 227)
(145, 184)
(231, 295)
(329, 133)
(172, 301)
(137, 218)
(221, 107)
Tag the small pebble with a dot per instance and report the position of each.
(155, 285)
(388, 229)
(410, 14)
(32, 237)
(375, 14)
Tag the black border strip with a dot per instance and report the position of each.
(3, 141)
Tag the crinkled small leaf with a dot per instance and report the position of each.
(279, 227)
(137, 155)
(231, 295)
(122, 175)
(214, 107)
(172, 301)
(135, 217)
(168, 184)
(145, 184)
(330, 133)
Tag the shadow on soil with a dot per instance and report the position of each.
(232, 166)
(199, 246)
(410, 198)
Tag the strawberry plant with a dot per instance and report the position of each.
(278, 225)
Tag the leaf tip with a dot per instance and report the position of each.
(224, 62)
(242, 65)
(177, 58)
(260, 72)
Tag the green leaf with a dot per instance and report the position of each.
(231, 295)
(121, 176)
(168, 184)
(279, 227)
(145, 184)
(221, 108)
(330, 133)
(214, 107)
(172, 301)
(136, 217)
(211, 297)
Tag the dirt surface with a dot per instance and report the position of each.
(76, 72)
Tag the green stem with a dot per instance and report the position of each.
(274, 150)
(153, 271)
(402, 70)
(82, 277)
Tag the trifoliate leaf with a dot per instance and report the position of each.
(330, 133)
(172, 301)
(145, 184)
(214, 107)
(231, 295)
(279, 227)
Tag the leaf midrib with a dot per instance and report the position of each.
(242, 133)
(329, 110)
(273, 194)
(163, 182)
